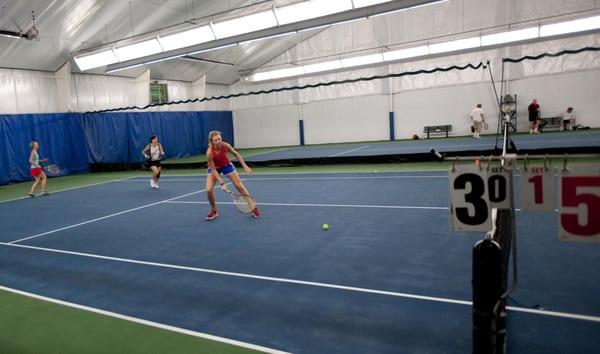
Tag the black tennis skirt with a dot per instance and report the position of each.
(152, 163)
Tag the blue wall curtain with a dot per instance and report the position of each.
(74, 140)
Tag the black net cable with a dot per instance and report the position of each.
(302, 87)
(348, 81)
(551, 55)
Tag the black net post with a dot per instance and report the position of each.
(490, 273)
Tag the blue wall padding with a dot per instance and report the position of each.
(74, 140)
(59, 136)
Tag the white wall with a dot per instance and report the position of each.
(26, 91)
(269, 126)
(445, 105)
(96, 92)
(580, 90)
(363, 118)
(217, 105)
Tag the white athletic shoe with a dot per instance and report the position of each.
(152, 184)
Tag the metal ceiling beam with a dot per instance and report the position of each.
(192, 58)
(350, 15)
(12, 34)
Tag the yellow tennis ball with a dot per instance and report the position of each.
(325, 227)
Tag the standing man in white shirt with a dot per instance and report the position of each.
(478, 119)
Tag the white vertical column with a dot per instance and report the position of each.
(63, 86)
(142, 89)
(199, 91)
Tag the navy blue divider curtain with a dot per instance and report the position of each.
(74, 140)
(59, 136)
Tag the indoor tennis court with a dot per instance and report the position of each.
(299, 176)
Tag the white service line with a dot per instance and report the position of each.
(72, 188)
(166, 179)
(267, 152)
(351, 150)
(344, 177)
(308, 283)
(329, 205)
(104, 217)
(338, 205)
(146, 322)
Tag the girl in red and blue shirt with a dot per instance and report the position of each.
(219, 164)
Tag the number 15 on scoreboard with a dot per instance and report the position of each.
(579, 204)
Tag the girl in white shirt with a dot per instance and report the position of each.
(153, 153)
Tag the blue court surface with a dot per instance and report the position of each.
(387, 277)
(569, 139)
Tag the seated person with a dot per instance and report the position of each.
(568, 118)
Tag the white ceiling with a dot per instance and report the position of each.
(68, 27)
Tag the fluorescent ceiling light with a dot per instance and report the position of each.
(584, 24)
(406, 53)
(362, 60)
(294, 71)
(245, 24)
(580, 25)
(324, 66)
(510, 36)
(453, 46)
(138, 50)
(187, 38)
(87, 62)
(259, 76)
(363, 3)
(310, 9)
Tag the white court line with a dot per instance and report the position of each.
(351, 150)
(254, 178)
(316, 172)
(163, 180)
(337, 205)
(308, 283)
(104, 217)
(146, 322)
(72, 188)
(342, 177)
(329, 205)
(268, 152)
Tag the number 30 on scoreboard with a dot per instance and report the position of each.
(579, 204)
(474, 192)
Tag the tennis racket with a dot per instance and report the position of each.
(485, 126)
(52, 169)
(241, 202)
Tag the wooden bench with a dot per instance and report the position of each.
(437, 129)
(550, 123)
